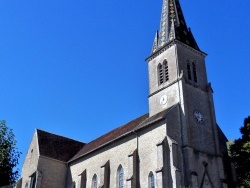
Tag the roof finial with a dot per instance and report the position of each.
(155, 45)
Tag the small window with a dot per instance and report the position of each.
(120, 177)
(194, 72)
(160, 74)
(33, 180)
(94, 181)
(189, 71)
(165, 64)
(151, 180)
(194, 179)
(163, 72)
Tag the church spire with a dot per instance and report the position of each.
(173, 26)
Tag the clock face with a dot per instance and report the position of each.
(163, 100)
(198, 116)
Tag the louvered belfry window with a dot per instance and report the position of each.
(163, 72)
(160, 74)
(194, 72)
(189, 71)
(165, 65)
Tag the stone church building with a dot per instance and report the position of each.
(177, 144)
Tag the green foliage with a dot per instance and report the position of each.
(240, 153)
(8, 155)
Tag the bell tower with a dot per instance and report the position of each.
(175, 56)
(177, 76)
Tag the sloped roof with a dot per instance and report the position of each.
(119, 132)
(57, 147)
(112, 135)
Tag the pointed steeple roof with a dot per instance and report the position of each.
(155, 45)
(173, 26)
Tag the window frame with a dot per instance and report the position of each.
(163, 72)
(160, 74)
(33, 180)
(151, 180)
(120, 177)
(194, 72)
(165, 66)
(94, 181)
(189, 71)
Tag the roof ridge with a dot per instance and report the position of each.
(106, 138)
(58, 135)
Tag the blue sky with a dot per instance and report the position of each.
(76, 68)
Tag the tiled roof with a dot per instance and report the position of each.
(114, 134)
(57, 147)
(173, 26)
(182, 32)
(119, 132)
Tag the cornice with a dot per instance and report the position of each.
(203, 54)
(160, 51)
(170, 44)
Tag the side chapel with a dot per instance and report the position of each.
(177, 144)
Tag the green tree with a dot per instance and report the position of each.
(9, 155)
(240, 154)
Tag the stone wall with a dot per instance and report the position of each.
(53, 173)
(30, 162)
(119, 153)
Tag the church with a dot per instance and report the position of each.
(177, 144)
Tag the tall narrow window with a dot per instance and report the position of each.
(194, 179)
(163, 71)
(120, 177)
(189, 71)
(33, 180)
(94, 181)
(151, 180)
(194, 72)
(160, 74)
(165, 64)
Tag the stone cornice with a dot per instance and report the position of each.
(170, 84)
(160, 51)
(203, 54)
(170, 44)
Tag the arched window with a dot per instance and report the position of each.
(194, 179)
(151, 180)
(165, 64)
(160, 74)
(94, 181)
(33, 180)
(194, 72)
(163, 75)
(189, 71)
(120, 177)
